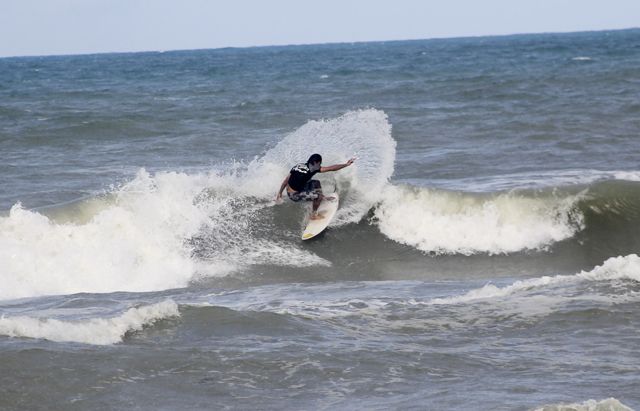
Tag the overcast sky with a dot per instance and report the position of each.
(44, 27)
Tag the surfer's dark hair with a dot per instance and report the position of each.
(315, 158)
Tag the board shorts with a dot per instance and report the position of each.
(310, 192)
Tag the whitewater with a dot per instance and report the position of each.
(147, 234)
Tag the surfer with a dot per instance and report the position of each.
(300, 186)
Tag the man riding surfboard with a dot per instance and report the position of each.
(301, 187)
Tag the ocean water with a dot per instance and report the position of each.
(484, 256)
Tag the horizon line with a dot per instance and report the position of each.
(314, 44)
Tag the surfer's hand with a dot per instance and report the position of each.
(279, 198)
(351, 160)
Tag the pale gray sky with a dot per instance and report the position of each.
(44, 27)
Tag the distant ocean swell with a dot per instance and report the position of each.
(162, 231)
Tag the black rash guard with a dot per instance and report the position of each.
(300, 176)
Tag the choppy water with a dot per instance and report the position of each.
(484, 255)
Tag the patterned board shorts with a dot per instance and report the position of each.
(310, 192)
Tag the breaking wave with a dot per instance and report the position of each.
(162, 231)
(165, 230)
(615, 268)
(96, 331)
(446, 222)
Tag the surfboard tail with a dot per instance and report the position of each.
(327, 210)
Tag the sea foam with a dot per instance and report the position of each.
(446, 222)
(134, 244)
(96, 331)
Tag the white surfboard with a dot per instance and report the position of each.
(326, 211)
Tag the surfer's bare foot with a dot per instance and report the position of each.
(316, 216)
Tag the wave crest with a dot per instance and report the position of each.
(96, 331)
(446, 222)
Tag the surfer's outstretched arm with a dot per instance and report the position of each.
(284, 184)
(337, 167)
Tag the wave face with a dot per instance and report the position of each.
(599, 213)
(165, 230)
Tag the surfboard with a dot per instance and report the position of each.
(326, 210)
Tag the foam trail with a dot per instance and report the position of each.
(627, 267)
(451, 222)
(96, 331)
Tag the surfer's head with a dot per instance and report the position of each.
(314, 162)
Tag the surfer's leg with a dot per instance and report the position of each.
(315, 193)
(316, 204)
